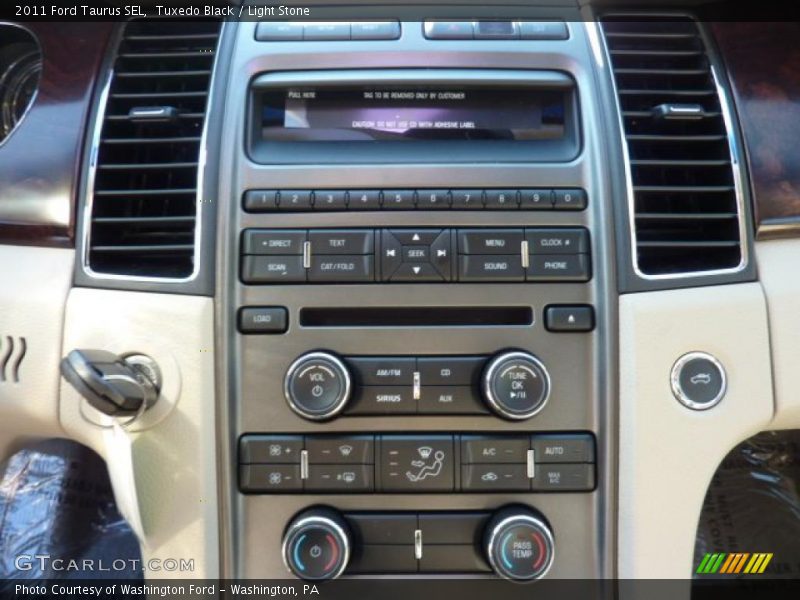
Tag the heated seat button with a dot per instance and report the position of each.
(417, 464)
(450, 399)
(383, 400)
(341, 450)
(450, 370)
(559, 267)
(342, 269)
(490, 241)
(491, 450)
(384, 370)
(495, 478)
(273, 269)
(557, 241)
(341, 241)
(563, 478)
(340, 478)
(270, 449)
(492, 268)
(270, 478)
(563, 448)
(273, 241)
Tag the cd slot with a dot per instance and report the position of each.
(417, 316)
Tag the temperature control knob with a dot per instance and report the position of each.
(516, 385)
(317, 386)
(316, 545)
(518, 544)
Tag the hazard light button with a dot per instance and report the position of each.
(569, 318)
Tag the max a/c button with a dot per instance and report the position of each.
(263, 319)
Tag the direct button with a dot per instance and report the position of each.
(698, 380)
(265, 319)
(273, 241)
(341, 241)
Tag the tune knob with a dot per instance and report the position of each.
(516, 385)
(519, 544)
(317, 386)
(316, 545)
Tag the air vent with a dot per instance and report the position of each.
(686, 208)
(144, 212)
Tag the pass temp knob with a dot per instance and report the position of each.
(516, 385)
(316, 545)
(317, 386)
(519, 544)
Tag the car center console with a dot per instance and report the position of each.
(417, 298)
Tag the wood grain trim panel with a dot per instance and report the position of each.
(763, 61)
(40, 161)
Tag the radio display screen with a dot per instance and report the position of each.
(406, 114)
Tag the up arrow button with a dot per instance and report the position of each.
(569, 318)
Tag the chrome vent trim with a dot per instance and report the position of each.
(736, 158)
(91, 176)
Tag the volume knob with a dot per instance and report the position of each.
(317, 386)
(516, 385)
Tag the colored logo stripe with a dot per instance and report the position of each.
(734, 563)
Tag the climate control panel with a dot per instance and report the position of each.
(515, 542)
(420, 463)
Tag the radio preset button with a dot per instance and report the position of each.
(536, 199)
(569, 199)
(467, 199)
(398, 199)
(364, 200)
(341, 241)
(501, 200)
(490, 241)
(494, 268)
(299, 200)
(433, 199)
(330, 200)
(260, 200)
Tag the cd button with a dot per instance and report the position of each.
(454, 370)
